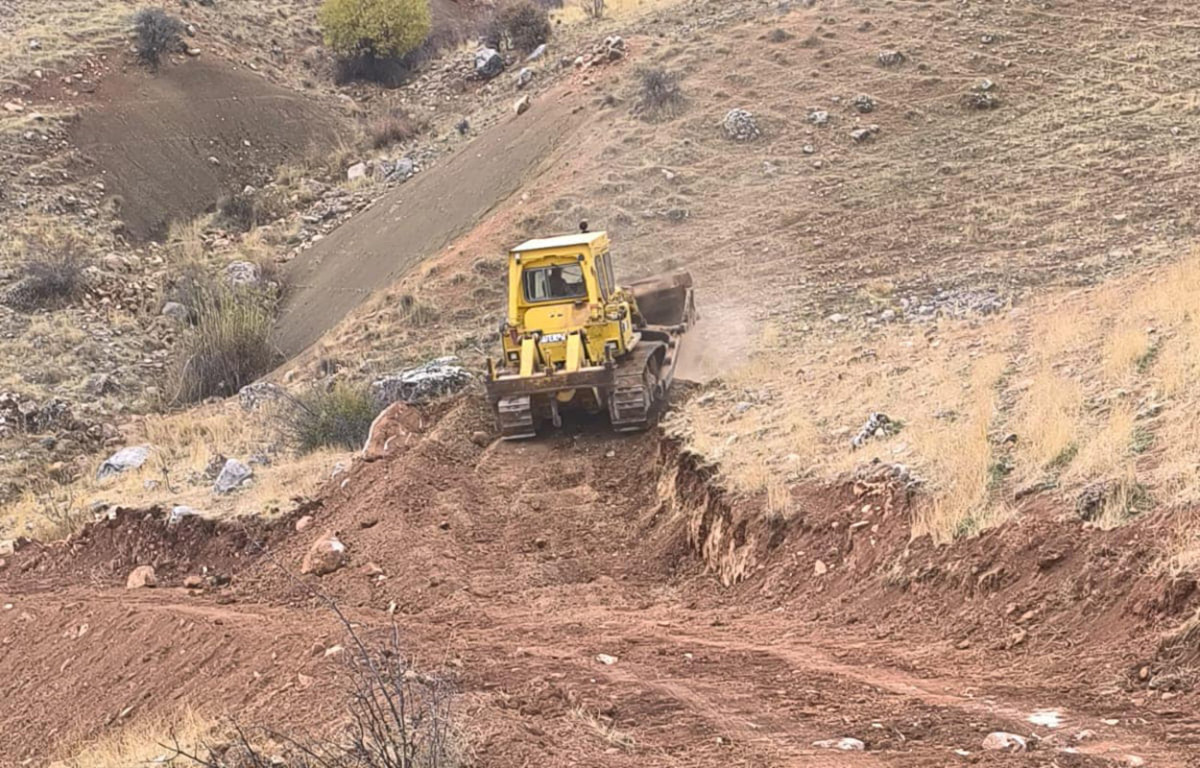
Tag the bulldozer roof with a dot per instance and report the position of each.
(563, 241)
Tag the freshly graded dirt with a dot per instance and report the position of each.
(169, 144)
(512, 567)
(417, 220)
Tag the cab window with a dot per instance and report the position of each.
(602, 276)
(557, 283)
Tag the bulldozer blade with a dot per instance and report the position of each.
(666, 299)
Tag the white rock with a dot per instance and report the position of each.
(846, 744)
(232, 476)
(124, 460)
(356, 171)
(605, 659)
(999, 741)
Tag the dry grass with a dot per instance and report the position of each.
(144, 742)
(184, 445)
(606, 730)
(1049, 426)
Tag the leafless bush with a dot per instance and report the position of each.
(593, 9)
(157, 33)
(395, 128)
(249, 208)
(53, 275)
(522, 24)
(397, 717)
(659, 94)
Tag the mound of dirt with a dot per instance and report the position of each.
(169, 144)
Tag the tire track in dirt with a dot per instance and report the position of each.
(415, 221)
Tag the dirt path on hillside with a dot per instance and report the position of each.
(415, 221)
(513, 567)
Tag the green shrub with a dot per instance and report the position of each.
(374, 29)
(229, 344)
(338, 417)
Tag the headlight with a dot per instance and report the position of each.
(615, 312)
(514, 356)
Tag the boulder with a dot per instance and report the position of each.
(123, 460)
(141, 577)
(326, 555)
(252, 396)
(488, 63)
(522, 105)
(740, 125)
(419, 385)
(179, 512)
(176, 311)
(356, 171)
(242, 273)
(392, 429)
(233, 475)
(524, 77)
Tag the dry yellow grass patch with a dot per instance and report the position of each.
(1048, 429)
(183, 445)
(145, 742)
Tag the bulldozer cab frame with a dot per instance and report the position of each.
(573, 335)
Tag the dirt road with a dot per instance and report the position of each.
(417, 220)
(513, 568)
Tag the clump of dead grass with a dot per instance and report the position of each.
(144, 742)
(659, 94)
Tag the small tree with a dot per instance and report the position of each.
(373, 29)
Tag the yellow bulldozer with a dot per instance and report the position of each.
(574, 338)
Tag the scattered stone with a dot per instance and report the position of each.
(192, 51)
(326, 555)
(863, 103)
(605, 659)
(194, 582)
(537, 53)
(877, 425)
(176, 311)
(522, 105)
(524, 78)
(179, 512)
(232, 476)
(241, 274)
(123, 460)
(356, 171)
(818, 117)
(252, 396)
(488, 63)
(372, 570)
(437, 378)
(890, 58)
(740, 125)
(846, 744)
(99, 384)
(334, 650)
(13, 106)
(864, 134)
(819, 568)
(303, 523)
(141, 577)
(999, 741)
(479, 438)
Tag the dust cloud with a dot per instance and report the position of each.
(718, 343)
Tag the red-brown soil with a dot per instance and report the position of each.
(513, 566)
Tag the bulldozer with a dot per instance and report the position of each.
(575, 339)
